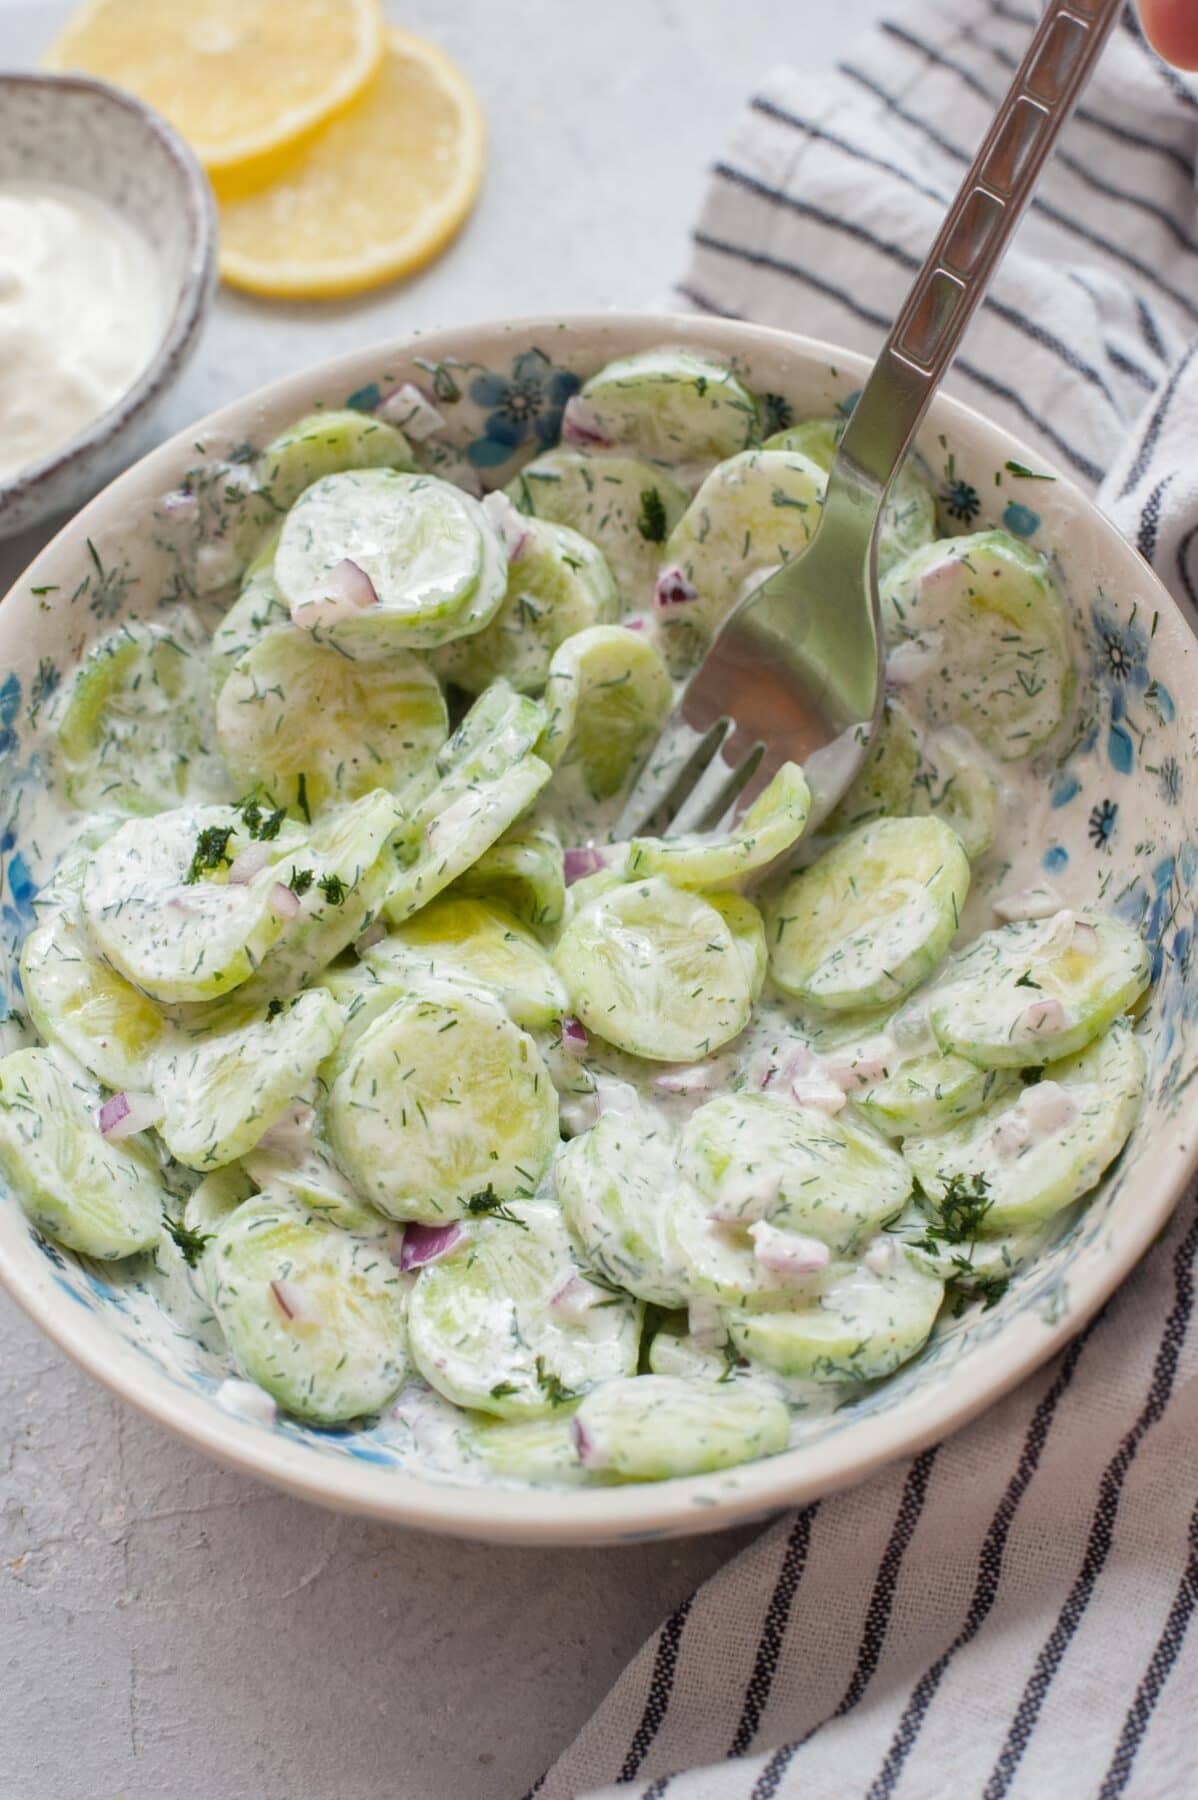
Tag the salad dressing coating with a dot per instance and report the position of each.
(580, 1161)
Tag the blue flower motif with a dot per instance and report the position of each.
(43, 687)
(527, 403)
(1020, 520)
(1120, 651)
(10, 706)
(1102, 823)
(1169, 780)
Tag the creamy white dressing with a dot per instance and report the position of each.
(81, 313)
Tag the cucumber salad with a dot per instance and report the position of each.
(574, 1160)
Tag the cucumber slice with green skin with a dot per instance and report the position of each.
(671, 406)
(429, 552)
(909, 521)
(443, 1100)
(674, 1351)
(976, 1265)
(656, 971)
(136, 733)
(1038, 1152)
(616, 1183)
(607, 696)
(952, 785)
(863, 1326)
(328, 443)
(297, 717)
(528, 1449)
(77, 1001)
(759, 1157)
(884, 787)
(523, 871)
(929, 1092)
(175, 938)
(557, 583)
(454, 825)
(258, 610)
(507, 1323)
(748, 934)
(212, 1200)
(100, 1198)
(752, 513)
(223, 1088)
(772, 824)
(986, 616)
(1039, 989)
(624, 506)
(720, 1261)
(312, 1313)
(656, 1427)
(872, 918)
(470, 941)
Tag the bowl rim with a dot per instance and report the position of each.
(193, 293)
(637, 1511)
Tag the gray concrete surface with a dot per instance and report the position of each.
(169, 1631)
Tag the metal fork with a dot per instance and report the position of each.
(796, 671)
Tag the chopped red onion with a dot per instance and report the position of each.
(124, 1114)
(509, 522)
(576, 1299)
(410, 409)
(348, 589)
(1039, 902)
(853, 1072)
(247, 863)
(787, 1253)
(581, 425)
(373, 934)
(296, 1302)
(588, 1451)
(583, 861)
(1043, 1015)
(636, 624)
(705, 1326)
(673, 589)
(179, 504)
(1085, 938)
(574, 1036)
(284, 903)
(427, 1244)
(1047, 1106)
(817, 1088)
(1012, 1133)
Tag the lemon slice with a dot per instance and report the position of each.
(241, 79)
(377, 193)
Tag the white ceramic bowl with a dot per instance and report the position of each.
(1119, 814)
(86, 134)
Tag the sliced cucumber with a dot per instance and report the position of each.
(884, 786)
(771, 825)
(223, 1088)
(720, 1261)
(472, 941)
(1030, 992)
(928, 1092)
(758, 1156)
(311, 1312)
(77, 1001)
(327, 443)
(872, 918)
(213, 1199)
(528, 1449)
(952, 785)
(507, 1323)
(753, 512)
(557, 583)
(672, 406)
(909, 521)
(626, 507)
(985, 612)
(655, 1427)
(975, 1265)
(159, 907)
(444, 1107)
(427, 552)
(607, 696)
(258, 609)
(524, 871)
(675, 1351)
(100, 1198)
(861, 1327)
(136, 733)
(1039, 1151)
(748, 934)
(656, 971)
(314, 725)
(616, 1183)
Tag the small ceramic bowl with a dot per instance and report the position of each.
(1111, 816)
(87, 135)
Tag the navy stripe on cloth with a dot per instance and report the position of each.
(773, 1631)
(661, 1688)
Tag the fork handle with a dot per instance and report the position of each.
(981, 221)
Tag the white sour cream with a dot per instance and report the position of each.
(81, 312)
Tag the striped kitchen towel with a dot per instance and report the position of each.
(1011, 1613)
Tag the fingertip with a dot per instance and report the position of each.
(1171, 27)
